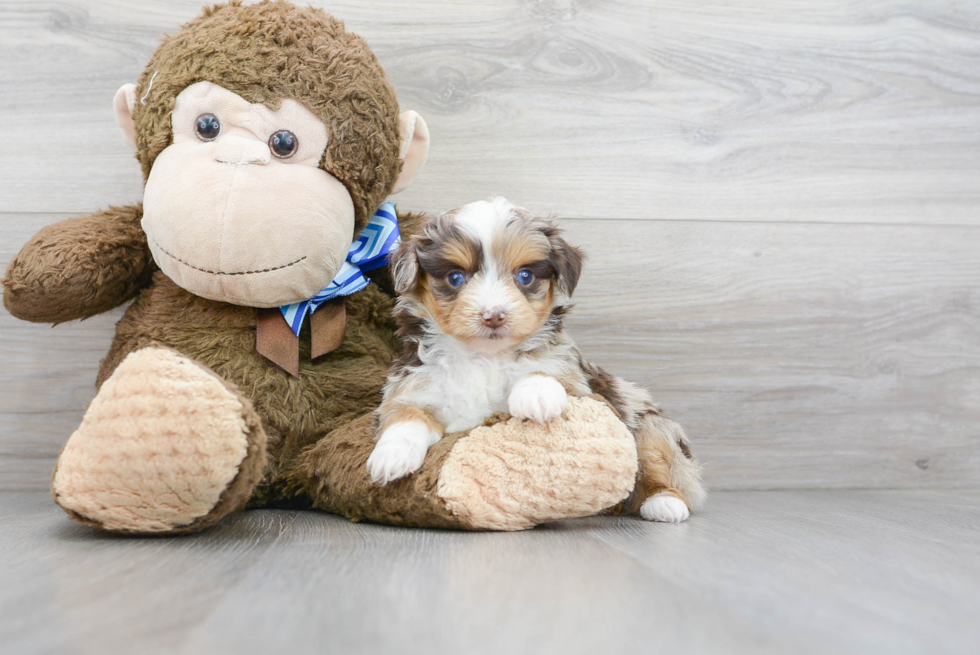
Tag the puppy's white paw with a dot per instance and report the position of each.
(537, 397)
(400, 451)
(664, 507)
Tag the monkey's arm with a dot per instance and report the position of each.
(79, 267)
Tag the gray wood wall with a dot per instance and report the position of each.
(781, 199)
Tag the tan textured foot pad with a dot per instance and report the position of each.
(517, 474)
(160, 443)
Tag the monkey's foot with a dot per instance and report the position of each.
(166, 446)
(519, 473)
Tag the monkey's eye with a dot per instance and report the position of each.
(525, 277)
(207, 127)
(455, 279)
(283, 144)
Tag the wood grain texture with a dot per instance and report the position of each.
(841, 111)
(797, 355)
(771, 572)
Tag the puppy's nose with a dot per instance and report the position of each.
(232, 149)
(494, 318)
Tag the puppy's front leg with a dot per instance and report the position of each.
(406, 434)
(538, 397)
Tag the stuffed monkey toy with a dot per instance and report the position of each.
(269, 139)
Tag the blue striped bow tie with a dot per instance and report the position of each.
(369, 251)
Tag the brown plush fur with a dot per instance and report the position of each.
(319, 427)
(275, 43)
(81, 267)
(334, 476)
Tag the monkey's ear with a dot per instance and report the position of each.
(414, 148)
(123, 104)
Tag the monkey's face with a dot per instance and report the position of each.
(237, 209)
(258, 178)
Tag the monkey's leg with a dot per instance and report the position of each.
(166, 446)
(669, 484)
(506, 475)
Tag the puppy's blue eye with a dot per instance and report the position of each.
(455, 279)
(525, 277)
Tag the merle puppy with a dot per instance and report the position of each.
(483, 290)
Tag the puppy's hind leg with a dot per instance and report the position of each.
(668, 485)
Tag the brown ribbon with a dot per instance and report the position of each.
(275, 341)
(327, 327)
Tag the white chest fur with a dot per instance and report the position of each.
(462, 387)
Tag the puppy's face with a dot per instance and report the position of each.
(487, 273)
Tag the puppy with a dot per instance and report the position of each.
(483, 291)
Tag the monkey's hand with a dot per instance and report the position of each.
(79, 267)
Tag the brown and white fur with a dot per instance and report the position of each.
(483, 291)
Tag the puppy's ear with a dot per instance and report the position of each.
(405, 267)
(567, 261)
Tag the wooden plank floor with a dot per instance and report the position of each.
(757, 572)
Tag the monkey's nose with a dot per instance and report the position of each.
(494, 318)
(237, 150)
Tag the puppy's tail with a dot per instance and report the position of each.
(666, 463)
(665, 458)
